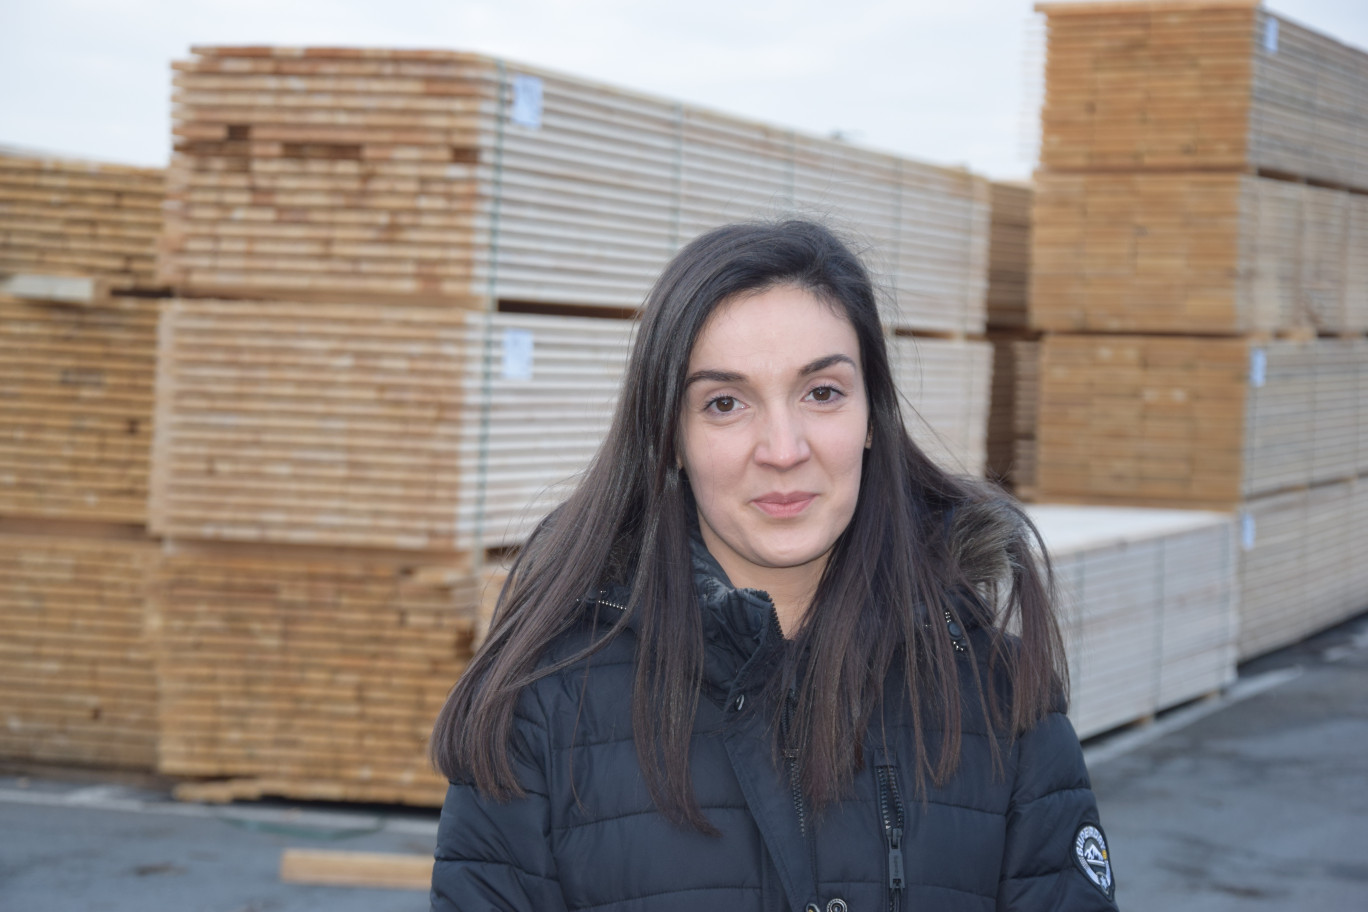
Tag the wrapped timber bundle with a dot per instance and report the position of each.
(947, 383)
(1301, 564)
(76, 677)
(1197, 253)
(422, 428)
(306, 674)
(76, 391)
(1211, 85)
(79, 219)
(1189, 422)
(1149, 607)
(440, 176)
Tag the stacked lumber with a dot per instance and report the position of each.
(1301, 566)
(946, 387)
(1012, 421)
(308, 675)
(379, 426)
(73, 218)
(76, 678)
(1218, 253)
(76, 387)
(1162, 420)
(1214, 85)
(1009, 255)
(1148, 607)
(443, 176)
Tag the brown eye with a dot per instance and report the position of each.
(724, 403)
(822, 394)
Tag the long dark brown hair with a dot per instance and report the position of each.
(916, 548)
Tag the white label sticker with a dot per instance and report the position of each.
(1247, 531)
(527, 101)
(517, 354)
(1271, 35)
(1258, 367)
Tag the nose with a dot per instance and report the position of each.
(783, 441)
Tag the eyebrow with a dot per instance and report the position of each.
(812, 367)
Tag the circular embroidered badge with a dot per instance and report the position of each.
(1090, 852)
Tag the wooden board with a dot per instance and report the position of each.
(76, 676)
(1148, 607)
(1173, 421)
(1196, 253)
(375, 426)
(74, 218)
(307, 675)
(1201, 86)
(449, 176)
(333, 868)
(76, 390)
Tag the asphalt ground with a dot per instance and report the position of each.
(1253, 800)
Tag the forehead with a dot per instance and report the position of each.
(785, 323)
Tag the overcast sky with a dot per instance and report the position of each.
(946, 81)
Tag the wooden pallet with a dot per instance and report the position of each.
(1148, 603)
(1197, 253)
(311, 677)
(76, 676)
(374, 426)
(1174, 421)
(76, 390)
(437, 176)
(1201, 86)
(62, 217)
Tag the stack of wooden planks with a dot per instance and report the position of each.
(1149, 606)
(1209, 85)
(73, 218)
(1011, 417)
(76, 676)
(946, 387)
(76, 387)
(1301, 564)
(374, 426)
(1174, 421)
(431, 175)
(1197, 252)
(309, 674)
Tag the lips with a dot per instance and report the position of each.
(782, 506)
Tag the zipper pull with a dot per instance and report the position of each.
(895, 859)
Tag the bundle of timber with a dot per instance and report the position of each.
(1148, 606)
(1218, 84)
(1009, 255)
(306, 675)
(948, 385)
(76, 389)
(74, 218)
(374, 426)
(1012, 422)
(1173, 421)
(1197, 253)
(76, 677)
(1302, 567)
(443, 176)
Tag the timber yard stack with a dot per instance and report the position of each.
(1016, 351)
(1199, 268)
(77, 360)
(401, 280)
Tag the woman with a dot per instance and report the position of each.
(758, 660)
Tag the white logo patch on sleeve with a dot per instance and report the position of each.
(1093, 859)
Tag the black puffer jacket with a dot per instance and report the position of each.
(587, 835)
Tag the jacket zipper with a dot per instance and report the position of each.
(796, 786)
(891, 810)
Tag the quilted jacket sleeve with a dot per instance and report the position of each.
(495, 855)
(1056, 856)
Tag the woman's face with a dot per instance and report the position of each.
(773, 430)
